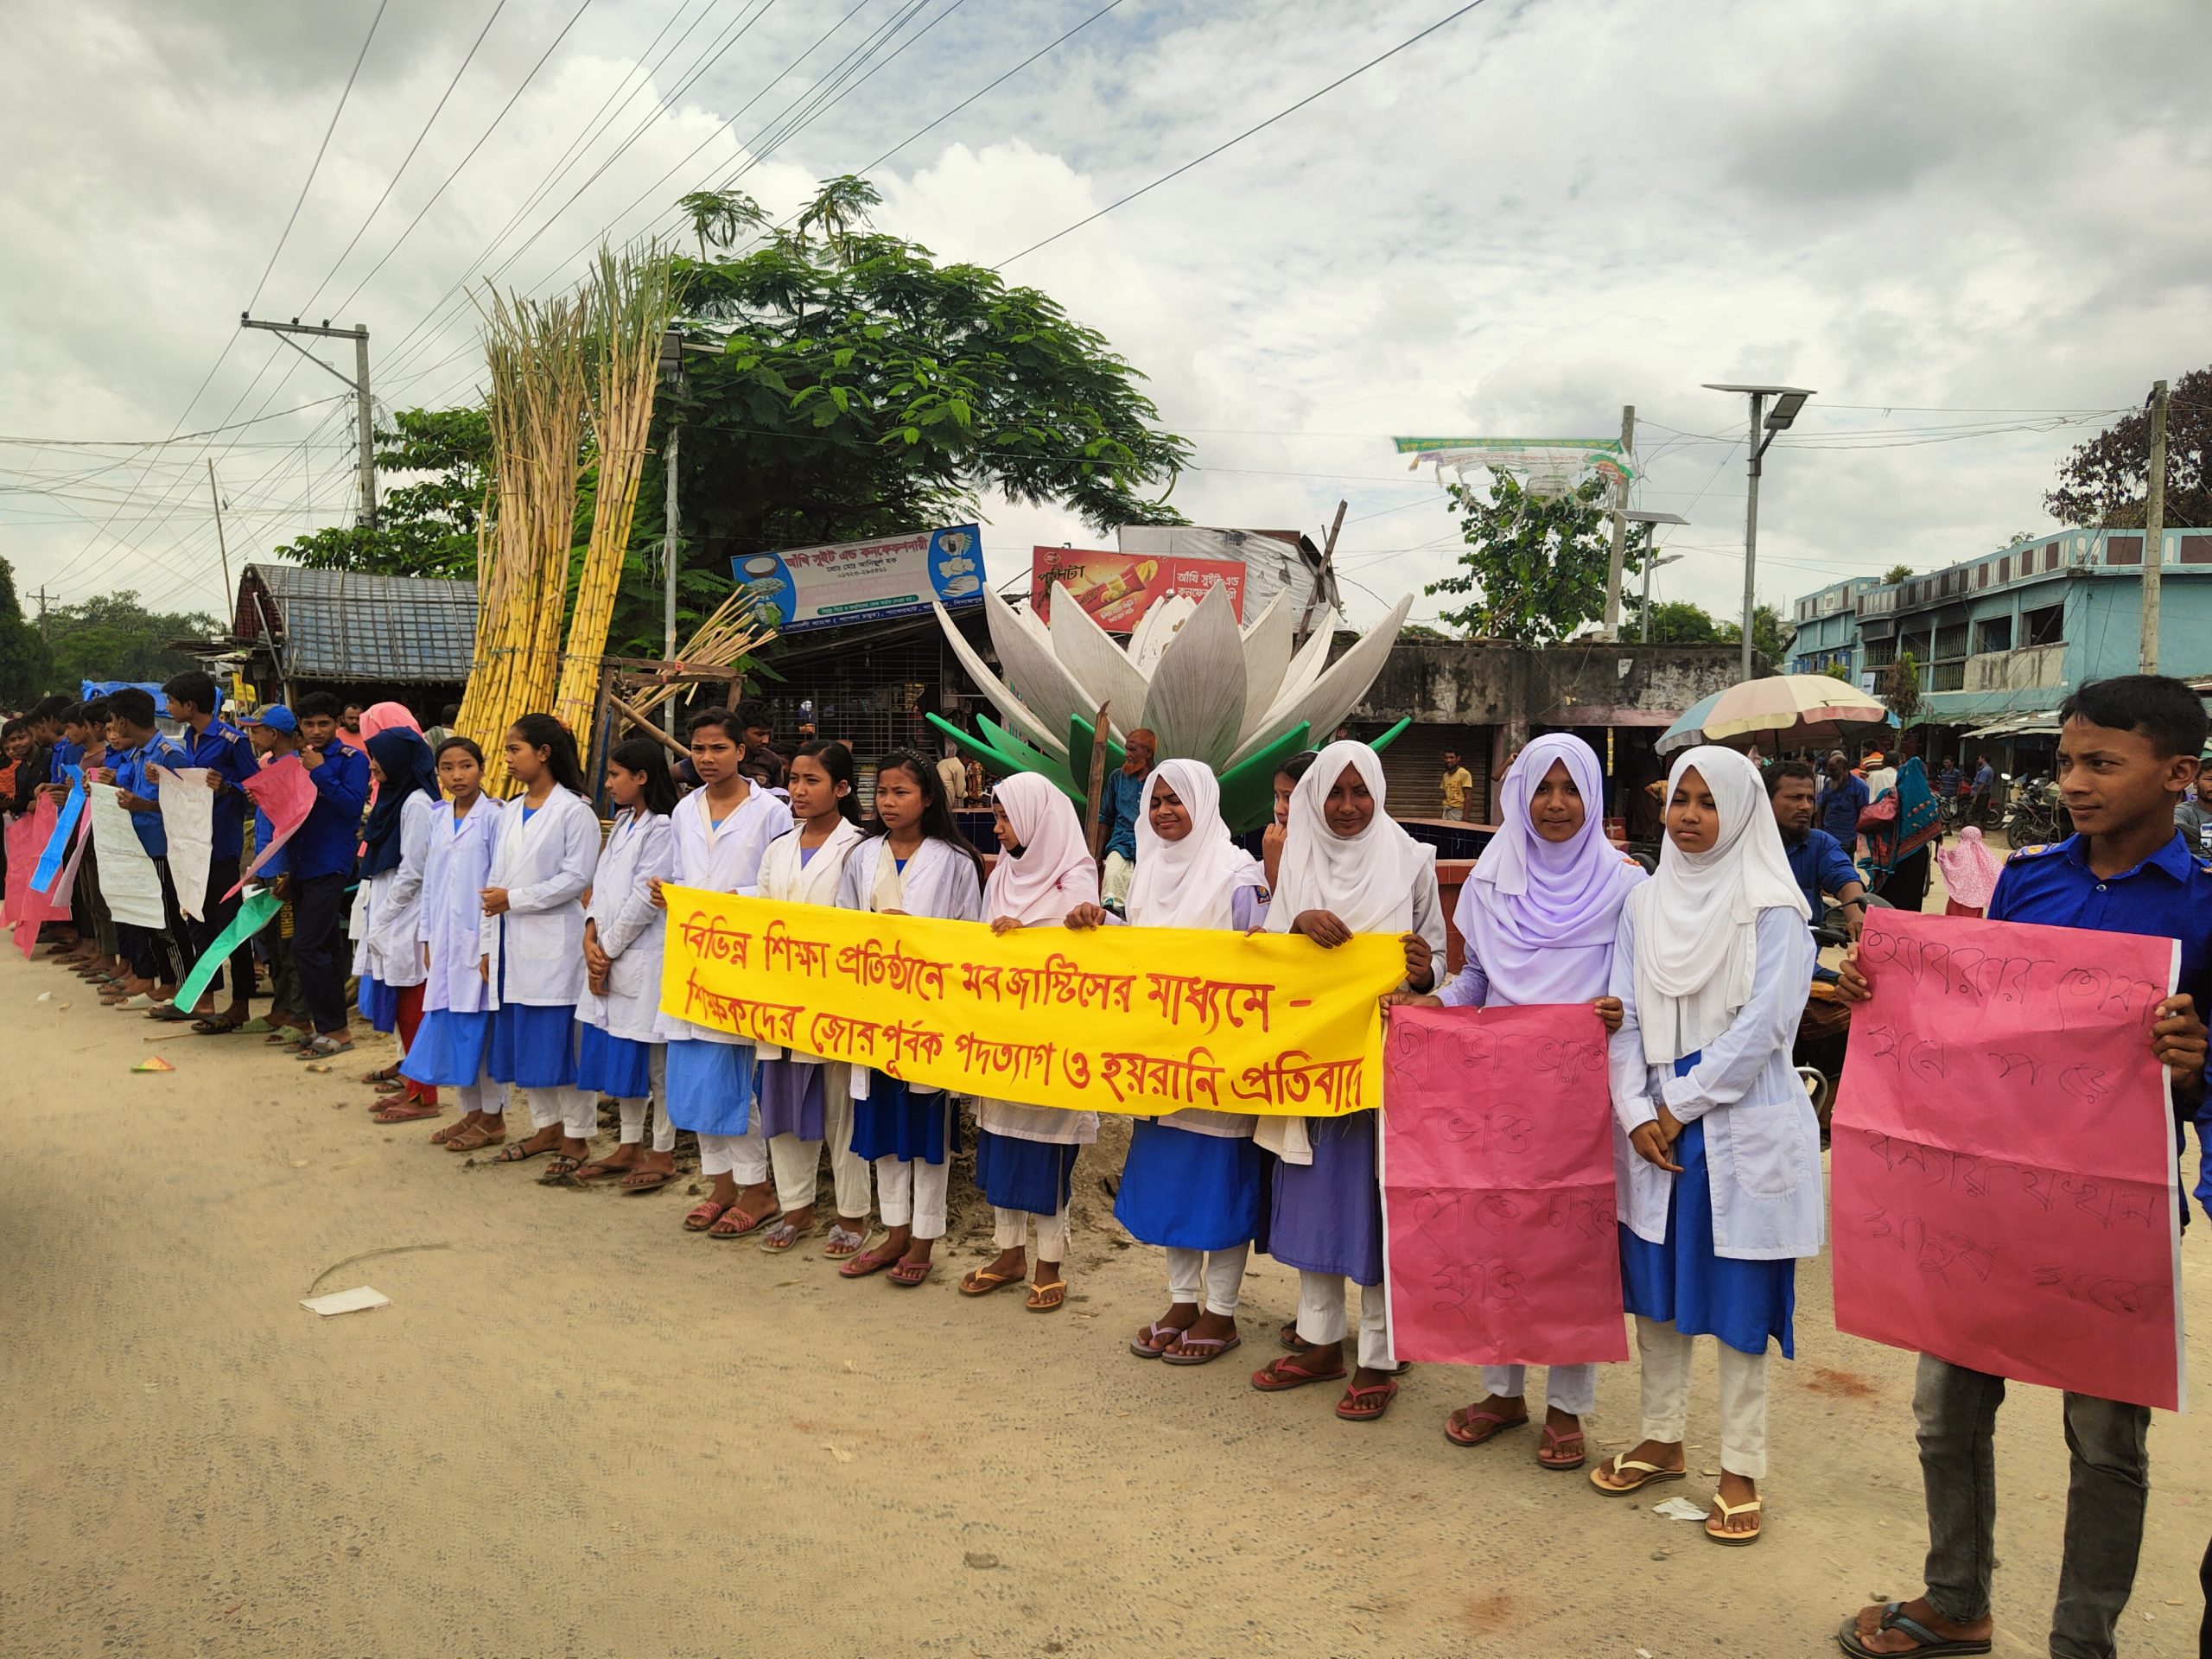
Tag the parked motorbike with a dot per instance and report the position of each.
(2035, 815)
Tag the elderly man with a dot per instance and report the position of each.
(1124, 797)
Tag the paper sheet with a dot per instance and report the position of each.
(359, 1299)
(1500, 1245)
(68, 832)
(128, 880)
(188, 818)
(2004, 1155)
(285, 795)
(27, 909)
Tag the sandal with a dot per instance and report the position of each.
(1724, 1512)
(1154, 1340)
(391, 1086)
(1645, 1474)
(644, 1180)
(589, 1172)
(870, 1261)
(1364, 1403)
(1044, 1298)
(736, 1223)
(1460, 1428)
(843, 1243)
(701, 1216)
(413, 1111)
(781, 1236)
(1561, 1451)
(559, 1170)
(908, 1275)
(324, 1048)
(214, 1027)
(521, 1153)
(1894, 1618)
(1288, 1372)
(169, 1015)
(982, 1282)
(1199, 1350)
(386, 1074)
(474, 1137)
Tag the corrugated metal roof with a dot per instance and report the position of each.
(340, 625)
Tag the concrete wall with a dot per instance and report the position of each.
(1457, 682)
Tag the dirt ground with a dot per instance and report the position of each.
(579, 1431)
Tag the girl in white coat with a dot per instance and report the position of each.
(806, 1101)
(449, 1049)
(393, 851)
(1717, 1152)
(720, 832)
(544, 854)
(916, 863)
(619, 1050)
(1025, 1155)
(1194, 1181)
(1346, 869)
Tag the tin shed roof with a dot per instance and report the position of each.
(340, 625)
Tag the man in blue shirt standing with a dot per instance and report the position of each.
(1843, 801)
(227, 757)
(1816, 858)
(136, 747)
(1124, 798)
(320, 855)
(2127, 749)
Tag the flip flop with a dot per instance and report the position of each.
(1142, 1344)
(1366, 1403)
(1894, 1618)
(414, 1112)
(869, 1261)
(1561, 1458)
(557, 1173)
(982, 1282)
(1495, 1425)
(590, 1172)
(1647, 1474)
(701, 1216)
(905, 1278)
(169, 1013)
(644, 1180)
(1724, 1512)
(1286, 1373)
(1186, 1349)
(1043, 1299)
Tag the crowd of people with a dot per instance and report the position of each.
(516, 944)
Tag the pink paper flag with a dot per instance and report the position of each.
(285, 795)
(1500, 1245)
(2003, 1169)
(27, 909)
(22, 855)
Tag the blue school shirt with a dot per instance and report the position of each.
(325, 844)
(2167, 895)
(264, 833)
(65, 754)
(134, 772)
(226, 753)
(1820, 866)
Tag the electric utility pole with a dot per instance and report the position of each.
(365, 420)
(2154, 528)
(1613, 560)
(222, 547)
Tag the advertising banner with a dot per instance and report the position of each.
(865, 581)
(1116, 587)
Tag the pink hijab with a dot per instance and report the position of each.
(1055, 871)
(1970, 869)
(384, 717)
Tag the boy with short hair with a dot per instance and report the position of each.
(223, 751)
(136, 746)
(2127, 748)
(320, 856)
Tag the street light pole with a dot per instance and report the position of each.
(1650, 565)
(1787, 400)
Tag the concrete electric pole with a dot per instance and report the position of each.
(1615, 559)
(365, 419)
(2154, 528)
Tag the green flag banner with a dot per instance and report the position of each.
(253, 916)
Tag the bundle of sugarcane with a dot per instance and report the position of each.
(536, 354)
(628, 302)
(731, 632)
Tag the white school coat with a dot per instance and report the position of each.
(545, 864)
(631, 929)
(1762, 1139)
(939, 881)
(724, 858)
(391, 939)
(451, 913)
(784, 876)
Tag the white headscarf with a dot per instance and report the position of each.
(1697, 921)
(1055, 871)
(1366, 880)
(1188, 883)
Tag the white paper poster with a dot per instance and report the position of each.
(188, 817)
(129, 881)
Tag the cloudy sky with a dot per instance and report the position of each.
(1969, 226)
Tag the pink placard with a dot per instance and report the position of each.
(22, 855)
(27, 909)
(2003, 1169)
(285, 795)
(1497, 1187)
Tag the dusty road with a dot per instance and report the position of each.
(577, 1431)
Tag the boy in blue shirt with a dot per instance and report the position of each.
(321, 857)
(274, 733)
(2127, 748)
(135, 747)
(228, 759)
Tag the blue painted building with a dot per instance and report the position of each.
(1827, 629)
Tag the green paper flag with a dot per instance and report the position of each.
(253, 916)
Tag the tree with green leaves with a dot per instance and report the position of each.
(26, 664)
(1535, 565)
(2106, 482)
(1771, 632)
(116, 637)
(1838, 671)
(1674, 622)
(1900, 684)
(425, 528)
(1895, 573)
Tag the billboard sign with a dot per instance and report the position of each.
(1116, 587)
(866, 581)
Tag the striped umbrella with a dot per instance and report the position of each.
(1783, 711)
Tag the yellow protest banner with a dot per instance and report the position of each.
(1142, 1020)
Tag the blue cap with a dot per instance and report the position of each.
(277, 717)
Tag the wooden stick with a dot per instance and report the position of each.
(637, 719)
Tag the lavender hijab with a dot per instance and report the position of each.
(1539, 916)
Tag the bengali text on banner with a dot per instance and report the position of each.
(1141, 1020)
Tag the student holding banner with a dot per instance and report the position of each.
(136, 747)
(452, 1046)
(1025, 1155)
(806, 1102)
(915, 863)
(1539, 916)
(395, 848)
(1716, 1150)
(618, 1051)
(1192, 1182)
(545, 848)
(2127, 749)
(1346, 869)
(320, 861)
(223, 752)
(721, 829)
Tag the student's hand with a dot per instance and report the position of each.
(1650, 1144)
(426, 958)
(1854, 918)
(1005, 924)
(1852, 982)
(282, 886)
(97, 775)
(310, 757)
(1083, 918)
(484, 968)
(1420, 961)
(1322, 928)
(137, 803)
(1411, 999)
(1670, 1127)
(495, 901)
(216, 783)
(660, 897)
(898, 913)
(2178, 1038)
(1609, 1010)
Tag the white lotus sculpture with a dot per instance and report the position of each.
(1240, 699)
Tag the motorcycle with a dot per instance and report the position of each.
(2035, 815)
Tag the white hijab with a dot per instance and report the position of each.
(1055, 871)
(1365, 881)
(1696, 922)
(1188, 883)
